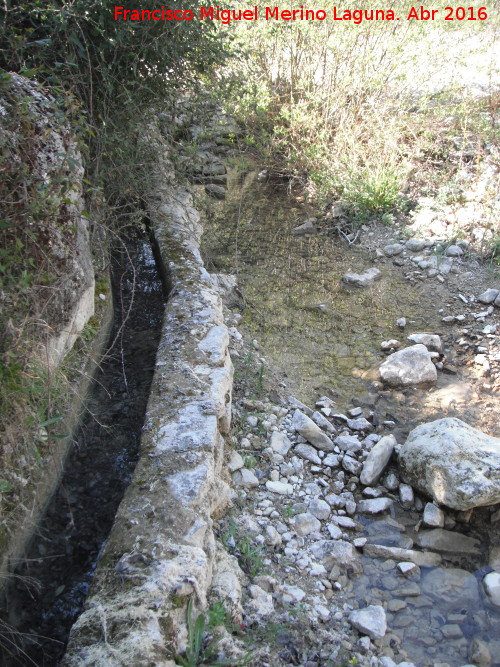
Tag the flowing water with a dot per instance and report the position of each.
(63, 553)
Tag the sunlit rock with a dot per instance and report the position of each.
(453, 463)
(410, 366)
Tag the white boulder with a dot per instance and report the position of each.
(453, 463)
(410, 366)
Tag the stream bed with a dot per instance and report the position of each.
(322, 339)
(51, 584)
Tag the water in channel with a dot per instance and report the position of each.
(62, 556)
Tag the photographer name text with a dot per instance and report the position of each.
(357, 16)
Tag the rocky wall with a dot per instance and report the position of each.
(161, 551)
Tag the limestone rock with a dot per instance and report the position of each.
(351, 465)
(454, 251)
(320, 509)
(431, 341)
(421, 558)
(377, 460)
(261, 604)
(374, 505)
(291, 594)
(415, 245)
(280, 443)
(215, 344)
(391, 344)
(308, 453)
(447, 542)
(245, 478)
(348, 443)
(455, 464)
(359, 424)
(491, 586)
(433, 516)
(479, 653)
(282, 488)
(310, 431)
(306, 523)
(406, 497)
(369, 621)
(235, 462)
(408, 568)
(410, 366)
(364, 279)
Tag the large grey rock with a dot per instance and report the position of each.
(351, 465)
(406, 496)
(454, 251)
(369, 621)
(364, 279)
(451, 588)
(291, 594)
(319, 508)
(447, 542)
(310, 431)
(215, 344)
(377, 460)
(410, 366)
(455, 464)
(282, 488)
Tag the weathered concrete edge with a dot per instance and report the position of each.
(162, 549)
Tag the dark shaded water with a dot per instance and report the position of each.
(62, 556)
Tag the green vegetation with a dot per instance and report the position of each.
(203, 639)
(369, 113)
(101, 82)
(250, 556)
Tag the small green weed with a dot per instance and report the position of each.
(202, 645)
(250, 462)
(288, 511)
(495, 250)
(250, 556)
(371, 191)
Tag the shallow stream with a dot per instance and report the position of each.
(325, 340)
